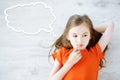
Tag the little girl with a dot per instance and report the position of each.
(80, 49)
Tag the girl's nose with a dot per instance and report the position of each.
(79, 40)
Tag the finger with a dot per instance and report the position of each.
(76, 50)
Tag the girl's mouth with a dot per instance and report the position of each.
(79, 46)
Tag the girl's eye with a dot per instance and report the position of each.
(74, 35)
(84, 35)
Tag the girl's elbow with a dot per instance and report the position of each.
(54, 78)
(112, 24)
(51, 78)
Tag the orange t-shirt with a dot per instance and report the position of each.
(85, 69)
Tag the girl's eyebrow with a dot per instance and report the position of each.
(82, 33)
(85, 32)
(73, 33)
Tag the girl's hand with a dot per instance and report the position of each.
(74, 57)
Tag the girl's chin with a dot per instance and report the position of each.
(79, 48)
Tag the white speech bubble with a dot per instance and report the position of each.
(30, 18)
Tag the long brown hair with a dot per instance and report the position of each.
(74, 21)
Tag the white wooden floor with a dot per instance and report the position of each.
(25, 56)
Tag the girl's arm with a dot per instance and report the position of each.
(59, 71)
(107, 30)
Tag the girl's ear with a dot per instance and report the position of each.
(67, 37)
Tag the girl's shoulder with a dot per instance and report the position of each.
(97, 50)
(59, 54)
(62, 50)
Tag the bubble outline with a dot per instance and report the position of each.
(30, 4)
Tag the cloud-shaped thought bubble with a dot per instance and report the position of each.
(30, 18)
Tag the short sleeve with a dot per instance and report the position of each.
(58, 55)
(98, 51)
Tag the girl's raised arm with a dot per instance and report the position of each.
(107, 30)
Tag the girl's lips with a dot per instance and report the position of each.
(80, 45)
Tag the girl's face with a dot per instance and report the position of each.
(79, 36)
